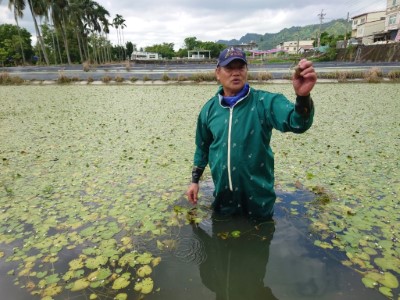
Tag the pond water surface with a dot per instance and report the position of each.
(91, 199)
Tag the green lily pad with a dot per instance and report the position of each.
(52, 279)
(144, 271)
(76, 264)
(389, 280)
(80, 284)
(145, 286)
(128, 259)
(235, 234)
(120, 283)
(144, 258)
(121, 296)
(369, 283)
(386, 291)
(96, 262)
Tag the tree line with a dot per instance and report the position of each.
(74, 31)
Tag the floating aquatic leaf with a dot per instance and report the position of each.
(389, 280)
(388, 263)
(41, 275)
(96, 262)
(91, 251)
(52, 290)
(128, 259)
(144, 258)
(80, 284)
(145, 286)
(76, 264)
(52, 279)
(155, 261)
(93, 297)
(235, 234)
(144, 271)
(126, 240)
(323, 245)
(120, 283)
(386, 291)
(121, 296)
(223, 235)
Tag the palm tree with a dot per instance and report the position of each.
(38, 8)
(59, 13)
(118, 22)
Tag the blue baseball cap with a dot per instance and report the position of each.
(231, 54)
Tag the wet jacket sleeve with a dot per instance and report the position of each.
(283, 115)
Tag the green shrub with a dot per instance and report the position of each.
(146, 78)
(134, 79)
(90, 79)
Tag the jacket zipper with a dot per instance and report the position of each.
(229, 149)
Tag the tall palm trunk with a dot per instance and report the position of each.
(54, 46)
(79, 45)
(38, 34)
(64, 35)
(20, 38)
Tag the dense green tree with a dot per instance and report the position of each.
(166, 49)
(191, 43)
(129, 49)
(18, 6)
(15, 44)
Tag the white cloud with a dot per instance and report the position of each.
(150, 22)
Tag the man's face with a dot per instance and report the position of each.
(233, 77)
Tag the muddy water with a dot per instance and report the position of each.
(276, 260)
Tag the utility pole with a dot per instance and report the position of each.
(345, 34)
(321, 18)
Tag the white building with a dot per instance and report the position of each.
(295, 47)
(392, 24)
(366, 25)
(139, 55)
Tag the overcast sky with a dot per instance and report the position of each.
(150, 22)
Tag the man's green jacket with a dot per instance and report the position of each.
(235, 142)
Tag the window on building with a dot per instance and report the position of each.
(394, 3)
(392, 20)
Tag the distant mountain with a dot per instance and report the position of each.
(271, 40)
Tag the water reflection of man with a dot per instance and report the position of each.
(237, 254)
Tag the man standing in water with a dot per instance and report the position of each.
(233, 136)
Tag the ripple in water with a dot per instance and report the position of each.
(190, 250)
